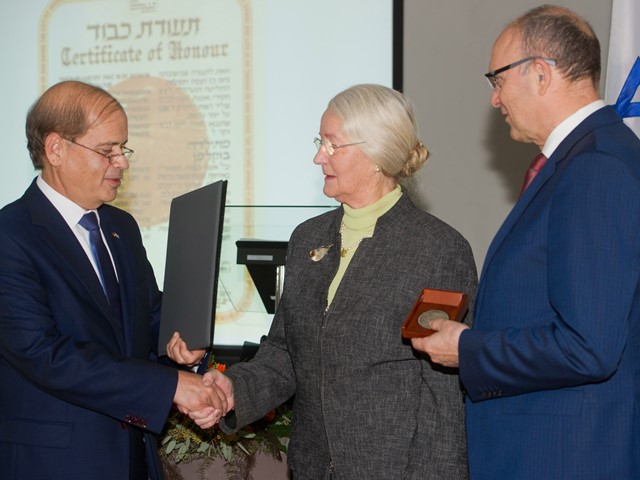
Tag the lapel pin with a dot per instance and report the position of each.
(115, 235)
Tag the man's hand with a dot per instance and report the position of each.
(208, 417)
(194, 395)
(178, 351)
(441, 346)
(214, 377)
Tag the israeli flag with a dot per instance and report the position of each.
(623, 69)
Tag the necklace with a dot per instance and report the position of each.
(345, 250)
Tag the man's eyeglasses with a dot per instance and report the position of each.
(330, 147)
(496, 82)
(126, 152)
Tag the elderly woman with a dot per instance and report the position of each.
(366, 405)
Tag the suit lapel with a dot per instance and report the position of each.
(603, 116)
(521, 205)
(124, 262)
(55, 231)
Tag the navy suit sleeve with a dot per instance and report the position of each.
(591, 268)
(58, 339)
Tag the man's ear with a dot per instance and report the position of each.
(54, 148)
(544, 75)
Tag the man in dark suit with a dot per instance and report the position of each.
(80, 396)
(551, 366)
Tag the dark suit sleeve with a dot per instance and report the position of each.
(54, 335)
(592, 271)
(264, 383)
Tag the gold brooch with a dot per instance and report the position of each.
(318, 254)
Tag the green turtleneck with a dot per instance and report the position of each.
(357, 224)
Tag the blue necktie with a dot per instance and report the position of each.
(101, 255)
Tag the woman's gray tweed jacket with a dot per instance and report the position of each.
(366, 405)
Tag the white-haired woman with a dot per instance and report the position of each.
(366, 405)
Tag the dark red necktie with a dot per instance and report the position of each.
(536, 165)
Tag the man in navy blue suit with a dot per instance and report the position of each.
(81, 396)
(551, 366)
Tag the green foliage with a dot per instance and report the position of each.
(184, 441)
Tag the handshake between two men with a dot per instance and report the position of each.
(206, 399)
